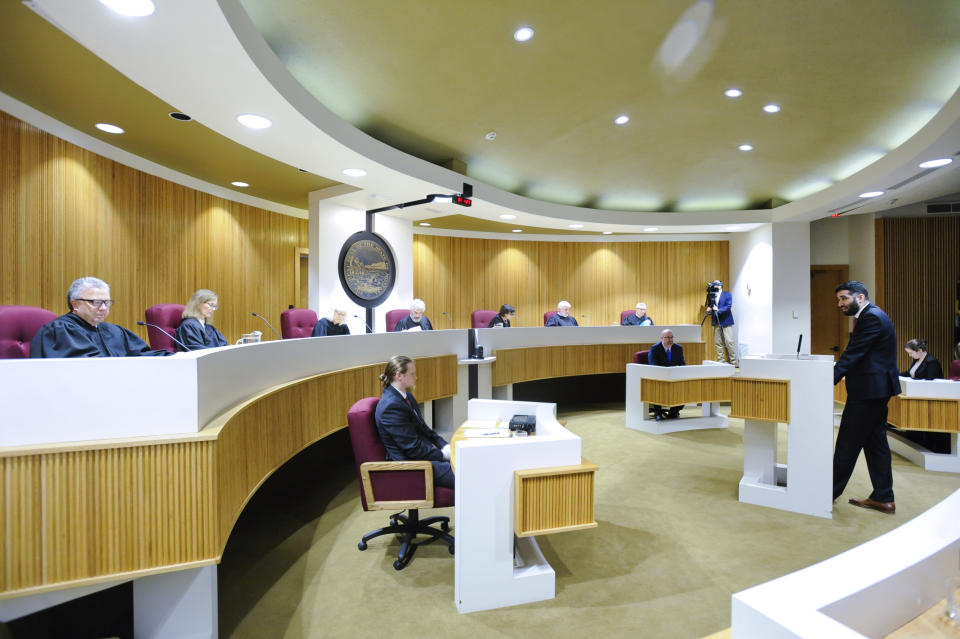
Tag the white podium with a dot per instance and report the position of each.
(637, 413)
(804, 484)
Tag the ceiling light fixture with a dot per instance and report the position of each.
(745, 147)
(772, 108)
(252, 121)
(132, 8)
(424, 223)
(608, 232)
(354, 172)
(109, 128)
(240, 184)
(733, 93)
(182, 117)
(622, 119)
(872, 194)
(576, 226)
(523, 34)
(518, 230)
(508, 216)
(491, 136)
(932, 164)
(650, 229)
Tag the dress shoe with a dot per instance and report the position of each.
(887, 507)
(659, 417)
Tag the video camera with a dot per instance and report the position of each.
(714, 287)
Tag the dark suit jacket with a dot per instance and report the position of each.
(402, 430)
(658, 355)
(724, 310)
(869, 362)
(928, 369)
(407, 323)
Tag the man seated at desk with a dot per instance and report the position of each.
(562, 318)
(666, 353)
(403, 432)
(83, 333)
(333, 325)
(640, 318)
(416, 320)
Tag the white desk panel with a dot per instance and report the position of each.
(526, 337)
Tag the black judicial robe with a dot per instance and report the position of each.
(497, 320)
(326, 328)
(558, 320)
(197, 336)
(70, 336)
(633, 320)
(408, 322)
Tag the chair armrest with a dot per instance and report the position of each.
(397, 466)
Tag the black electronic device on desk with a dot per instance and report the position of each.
(523, 425)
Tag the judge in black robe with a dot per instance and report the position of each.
(502, 319)
(415, 318)
(333, 325)
(563, 317)
(640, 318)
(195, 331)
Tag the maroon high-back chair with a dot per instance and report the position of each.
(167, 317)
(954, 372)
(297, 322)
(395, 485)
(18, 325)
(395, 316)
(481, 319)
(625, 314)
(547, 316)
(641, 357)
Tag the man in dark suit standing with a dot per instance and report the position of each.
(869, 364)
(666, 353)
(402, 429)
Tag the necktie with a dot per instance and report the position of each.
(669, 358)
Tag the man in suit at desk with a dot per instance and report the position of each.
(869, 363)
(666, 353)
(402, 429)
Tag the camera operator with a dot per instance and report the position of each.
(719, 306)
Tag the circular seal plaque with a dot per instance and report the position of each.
(367, 269)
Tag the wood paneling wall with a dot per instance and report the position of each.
(68, 212)
(918, 267)
(600, 279)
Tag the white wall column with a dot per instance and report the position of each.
(181, 604)
(791, 286)
(751, 272)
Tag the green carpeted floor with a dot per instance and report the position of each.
(673, 543)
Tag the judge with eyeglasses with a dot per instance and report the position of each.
(83, 333)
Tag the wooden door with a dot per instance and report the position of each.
(830, 328)
(303, 278)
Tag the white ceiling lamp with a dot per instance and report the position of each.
(252, 121)
(109, 128)
(621, 119)
(240, 184)
(869, 194)
(508, 216)
(608, 232)
(131, 8)
(745, 147)
(523, 34)
(354, 172)
(518, 230)
(733, 92)
(424, 223)
(932, 164)
(772, 108)
(491, 136)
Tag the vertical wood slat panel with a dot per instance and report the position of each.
(764, 399)
(68, 212)
(600, 279)
(551, 500)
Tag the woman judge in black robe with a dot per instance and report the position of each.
(195, 331)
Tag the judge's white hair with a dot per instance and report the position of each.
(418, 305)
(83, 283)
(564, 303)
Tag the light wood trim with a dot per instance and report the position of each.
(918, 413)
(555, 499)
(300, 302)
(762, 399)
(686, 391)
(371, 467)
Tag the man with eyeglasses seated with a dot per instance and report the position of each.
(83, 333)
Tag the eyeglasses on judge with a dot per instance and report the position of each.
(95, 303)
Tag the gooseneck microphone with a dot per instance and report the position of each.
(799, 342)
(268, 324)
(369, 330)
(449, 318)
(185, 347)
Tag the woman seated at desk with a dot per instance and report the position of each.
(195, 331)
(925, 365)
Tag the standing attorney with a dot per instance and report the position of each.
(869, 364)
(402, 429)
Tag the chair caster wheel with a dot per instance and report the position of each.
(398, 565)
(362, 545)
(451, 549)
(444, 526)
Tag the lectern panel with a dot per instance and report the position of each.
(763, 399)
(917, 413)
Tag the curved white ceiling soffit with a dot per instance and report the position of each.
(209, 60)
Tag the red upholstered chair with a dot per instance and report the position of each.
(18, 325)
(641, 357)
(481, 319)
(167, 317)
(395, 316)
(625, 314)
(395, 485)
(297, 322)
(547, 316)
(954, 372)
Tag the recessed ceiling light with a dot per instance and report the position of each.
(733, 228)
(109, 128)
(354, 172)
(182, 117)
(622, 119)
(733, 93)
(491, 136)
(133, 8)
(424, 223)
(771, 108)
(523, 34)
(608, 232)
(872, 194)
(576, 226)
(254, 121)
(518, 230)
(240, 184)
(745, 147)
(508, 216)
(650, 229)
(932, 164)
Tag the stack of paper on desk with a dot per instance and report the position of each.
(475, 428)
